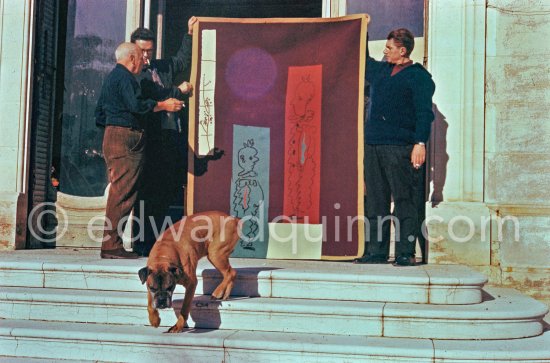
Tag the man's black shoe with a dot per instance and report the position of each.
(371, 260)
(119, 253)
(404, 261)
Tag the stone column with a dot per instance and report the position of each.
(490, 154)
(455, 210)
(16, 33)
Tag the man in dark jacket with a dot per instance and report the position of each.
(120, 109)
(396, 132)
(165, 166)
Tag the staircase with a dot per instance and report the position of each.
(58, 305)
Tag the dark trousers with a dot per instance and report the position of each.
(163, 178)
(123, 149)
(390, 174)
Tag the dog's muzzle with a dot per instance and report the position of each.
(163, 300)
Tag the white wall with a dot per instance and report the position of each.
(15, 80)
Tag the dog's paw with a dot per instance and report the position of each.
(174, 329)
(226, 294)
(178, 327)
(218, 293)
(154, 319)
(214, 297)
(222, 292)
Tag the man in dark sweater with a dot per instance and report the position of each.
(120, 108)
(396, 131)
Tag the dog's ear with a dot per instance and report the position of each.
(143, 274)
(175, 270)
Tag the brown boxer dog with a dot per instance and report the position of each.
(174, 258)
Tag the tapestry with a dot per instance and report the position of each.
(282, 102)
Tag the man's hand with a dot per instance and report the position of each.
(185, 87)
(418, 155)
(170, 105)
(190, 23)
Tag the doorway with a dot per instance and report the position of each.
(168, 19)
(73, 53)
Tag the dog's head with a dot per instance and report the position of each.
(161, 282)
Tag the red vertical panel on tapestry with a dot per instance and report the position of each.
(302, 165)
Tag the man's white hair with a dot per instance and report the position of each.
(125, 50)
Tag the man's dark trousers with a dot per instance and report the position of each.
(389, 173)
(123, 149)
(164, 172)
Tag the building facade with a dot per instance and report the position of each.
(488, 177)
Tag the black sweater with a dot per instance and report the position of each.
(400, 111)
(121, 102)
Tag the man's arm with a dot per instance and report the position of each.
(423, 89)
(158, 93)
(150, 89)
(180, 92)
(137, 104)
(169, 105)
(373, 66)
(182, 60)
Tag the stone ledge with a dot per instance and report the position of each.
(504, 314)
(519, 209)
(135, 343)
(449, 284)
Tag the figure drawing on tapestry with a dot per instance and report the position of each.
(206, 120)
(248, 196)
(300, 153)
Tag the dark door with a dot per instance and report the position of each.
(46, 65)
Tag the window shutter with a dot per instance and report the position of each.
(42, 122)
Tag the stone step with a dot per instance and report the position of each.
(504, 314)
(83, 269)
(5, 359)
(98, 342)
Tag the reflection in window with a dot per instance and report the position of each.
(388, 15)
(94, 29)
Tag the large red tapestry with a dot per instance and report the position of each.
(282, 99)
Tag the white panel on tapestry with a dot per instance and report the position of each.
(207, 119)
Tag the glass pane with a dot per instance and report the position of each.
(94, 29)
(388, 15)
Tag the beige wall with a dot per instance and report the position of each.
(518, 144)
(490, 156)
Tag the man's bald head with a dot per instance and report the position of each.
(125, 50)
(129, 55)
